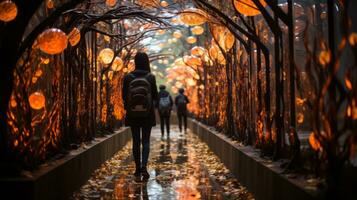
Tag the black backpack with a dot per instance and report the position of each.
(181, 102)
(139, 99)
(165, 105)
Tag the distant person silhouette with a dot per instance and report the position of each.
(181, 102)
(164, 105)
(139, 93)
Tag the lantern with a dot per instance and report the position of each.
(197, 51)
(197, 30)
(191, 40)
(248, 7)
(193, 17)
(131, 66)
(110, 3)
(174, 21)
(223, 36)
(106, 38)
(8, 11)
(52, 41)
(117, 64)
(177, 34)
(50, 4)
(37, 100)
(213, 51)
(106, 56)
(160, 32)
(192, 60)
(74, 37)
(164, 4)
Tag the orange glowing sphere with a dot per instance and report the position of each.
(177, 34)
(191, 40)
(224, 37)
(248, 7)
(37, 100)
(117, 64)
(131, 66)
(110, 3)
(8, 11)
(197, 30)
(106, 55)
(192, 60)
(160, 32)
(213, 51)
(74, 36)
(50, 4)
(193, 17)
(164, 4)
(52, 41)
(198, 51)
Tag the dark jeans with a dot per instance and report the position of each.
(164, 120)
(145, 141)
(182, 117)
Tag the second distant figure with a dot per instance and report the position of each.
(165, 104)
(181, 102)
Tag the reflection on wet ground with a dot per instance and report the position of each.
(181, 167)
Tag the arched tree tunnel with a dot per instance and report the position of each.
(277, 76)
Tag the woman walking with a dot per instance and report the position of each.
(139, 93)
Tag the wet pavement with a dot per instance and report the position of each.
(181, 167)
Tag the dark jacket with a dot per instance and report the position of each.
(147, 121)
(182, 110)
(164, 93)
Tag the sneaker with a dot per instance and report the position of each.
(145, 174)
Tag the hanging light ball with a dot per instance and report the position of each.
(117, 64)
(197, 30)
(213, 52)
(191, 40)
(198, 51)
(50, 4)
(160, 32)
(111, 3)
(192, 60)
(74, 36)
(52, 41)
(106, 55)
(193, 17)
(131, 66)
(223, 36)
(164, 4)
(8, 11)
(37, 100)
(177, 34)
(248, 7)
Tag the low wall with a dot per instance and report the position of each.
(261, 177)
(60, 178)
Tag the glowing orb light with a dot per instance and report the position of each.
(37, 100)
(8, 11)
(52, 41)
(106, 55)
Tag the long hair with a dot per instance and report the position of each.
(142, 62)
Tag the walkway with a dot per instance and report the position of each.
(182, 167)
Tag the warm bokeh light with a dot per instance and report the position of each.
(106, 55)
(52, 41)
(37, 100)
(248, 7)
(8, 11)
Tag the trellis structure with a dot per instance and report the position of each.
(268, 71)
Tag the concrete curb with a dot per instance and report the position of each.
(261, 177)
(60, 178)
